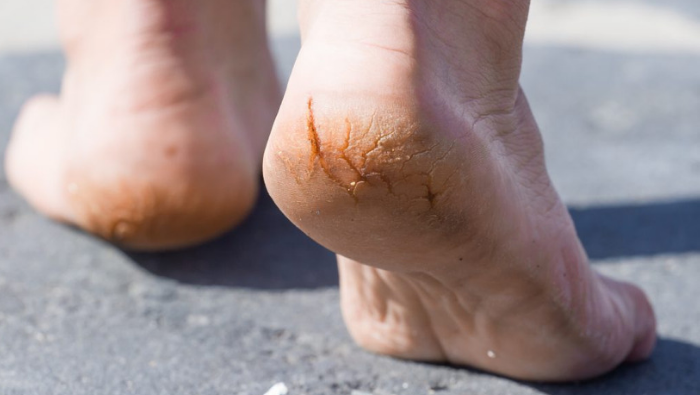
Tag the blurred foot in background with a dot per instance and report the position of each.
(157, 138)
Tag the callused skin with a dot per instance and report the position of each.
(432, 188)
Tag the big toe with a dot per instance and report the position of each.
(645, 325)
(33, 161)
(639, 315)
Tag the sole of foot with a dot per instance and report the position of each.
(157, 138)
(405, 145)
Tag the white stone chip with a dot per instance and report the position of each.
(278, 389)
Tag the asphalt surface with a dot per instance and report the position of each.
(260, 305)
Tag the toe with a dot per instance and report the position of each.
(636, 317)
(33, 159)
(645, 325)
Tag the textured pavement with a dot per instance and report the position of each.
(260, 305)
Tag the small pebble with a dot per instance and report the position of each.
(278, 389)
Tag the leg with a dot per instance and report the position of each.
(157, 137)
(405, 144)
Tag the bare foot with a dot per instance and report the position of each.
(158, 135)
(404, 143)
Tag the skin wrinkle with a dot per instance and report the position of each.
(495, 133)
(435, 335)
(371, 289)
(391, 307)
(385, 48)
(171, 100)
(429, 196)
(159, 50)
(434, 166)
(382, 308)
(343, 155)
(394, 306)
(525, 147)
(377, 143)
(409, 299)
(491, 21)
(529, 175)
(486, 81)
(386, 181)
(462, 315)
(411, 156)
(364, 154)
(533, 181)
(291, 168)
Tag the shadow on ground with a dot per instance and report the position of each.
(265, 252)
(673, 369)
(643, 230)
(268, 252)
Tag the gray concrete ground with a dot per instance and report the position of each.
(259, 305)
